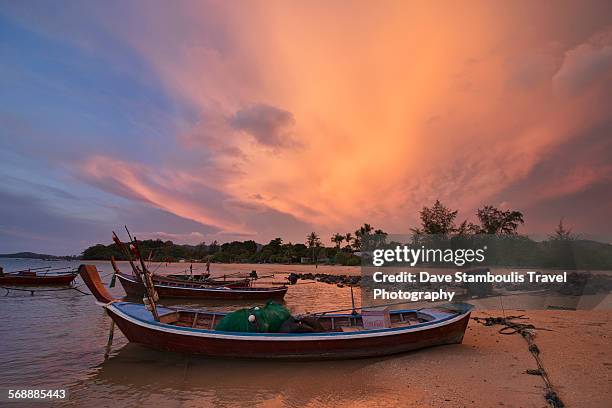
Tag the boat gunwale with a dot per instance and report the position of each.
(12, 279)
(50, 275)
(271, 289)
(195, 332)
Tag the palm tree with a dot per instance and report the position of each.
(379, 238)
(337, 239)
(348, 238)
(313, 241)
(360, 235)
(356, 243)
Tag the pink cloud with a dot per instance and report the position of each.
(167, 191)
(359, 90)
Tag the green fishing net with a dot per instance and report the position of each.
(267, 319)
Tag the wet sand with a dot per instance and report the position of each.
(59, 340)
(487, 370)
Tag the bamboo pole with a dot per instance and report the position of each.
(109, 343)
(127, 254)
(115, 267)
(150, 292)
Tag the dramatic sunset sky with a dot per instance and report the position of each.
(196, 121)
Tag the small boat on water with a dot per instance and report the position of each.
(37, 277)
(178, 288)
(203, 279)
(343, 336)
(195, 276)
(144, 284)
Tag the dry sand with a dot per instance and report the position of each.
(488, 369)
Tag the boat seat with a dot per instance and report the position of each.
(169, 318)
(350, 329)
(407, 322)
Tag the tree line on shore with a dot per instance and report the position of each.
(559, 250)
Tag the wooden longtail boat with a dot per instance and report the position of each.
(200, 279)
(193, 331)
(167, 288)
(31, 278)
(195, 276)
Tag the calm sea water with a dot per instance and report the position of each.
(57, 340)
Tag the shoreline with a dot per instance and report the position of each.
(487, 370)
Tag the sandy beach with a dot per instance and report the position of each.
(488, 369)
(306, 204)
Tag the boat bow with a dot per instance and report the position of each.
(91, 277)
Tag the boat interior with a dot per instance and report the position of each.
(187, 284)
(23, 273)
(330, 322)
(185, 276)
(181, 283)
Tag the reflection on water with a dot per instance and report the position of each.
(57, 339)
(147, 376)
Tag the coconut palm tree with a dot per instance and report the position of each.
(337, 239)
(348, 238)
(360, 235)
(313, 241)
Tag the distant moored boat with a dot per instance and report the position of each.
(179, 288)
(33, 277)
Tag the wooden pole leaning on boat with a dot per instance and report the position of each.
(127, 254)
(150, 292)
(354, 311)
(114, 264)
(116, 269)
(109, 344)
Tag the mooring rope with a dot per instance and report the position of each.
(528, 331)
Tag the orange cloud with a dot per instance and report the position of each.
(163, 191)
(393, 105)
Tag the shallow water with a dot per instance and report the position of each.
(56, 339)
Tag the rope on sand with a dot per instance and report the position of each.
(528, 331)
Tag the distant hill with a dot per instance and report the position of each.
(34, 255)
